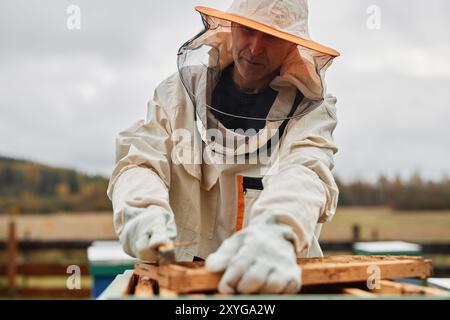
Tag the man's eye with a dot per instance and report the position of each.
(271, 38)
(247, 29)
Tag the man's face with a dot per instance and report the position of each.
(257, 57)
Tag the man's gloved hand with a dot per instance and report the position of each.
(258, 259)
(145, 230)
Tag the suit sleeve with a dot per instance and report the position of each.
(141, 177)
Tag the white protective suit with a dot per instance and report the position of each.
(206, 196)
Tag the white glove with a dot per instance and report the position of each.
(145, 229)
(258, 259)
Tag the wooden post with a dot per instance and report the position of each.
(356, 232)
(12, 256)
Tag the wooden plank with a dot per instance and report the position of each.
(343, 269)
(358, 293)
(184, 278)
(400, 288)
(160, 274)
(150, 270)
(180, 278)
(354, 258)
(131, 286)
(199, 280)
(144, 288)
(167, 293)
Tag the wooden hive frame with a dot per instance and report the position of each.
(336, 273)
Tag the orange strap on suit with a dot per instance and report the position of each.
(240, 203)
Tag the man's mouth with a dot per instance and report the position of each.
(254, 63)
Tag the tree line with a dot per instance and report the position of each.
(414, 193)
(29, 187)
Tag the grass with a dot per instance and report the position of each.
(418, 226)
(47, 281)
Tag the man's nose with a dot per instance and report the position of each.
(256, 45)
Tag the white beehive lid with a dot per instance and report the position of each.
(387, 246)
(108, 251)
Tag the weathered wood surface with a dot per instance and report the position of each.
(341, 269)
(193, 277)
(144, 287)
(398, 288)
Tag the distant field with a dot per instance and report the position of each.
(421, 226)
(62, 226)
(413, 226)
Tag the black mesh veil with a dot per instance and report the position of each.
(201, 63)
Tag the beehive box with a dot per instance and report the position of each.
(341, 276)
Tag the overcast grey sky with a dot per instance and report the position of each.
(65, 94)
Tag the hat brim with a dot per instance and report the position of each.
(267, 29)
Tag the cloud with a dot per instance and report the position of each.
(64, 95)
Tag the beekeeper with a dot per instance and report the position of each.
(236, 152)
